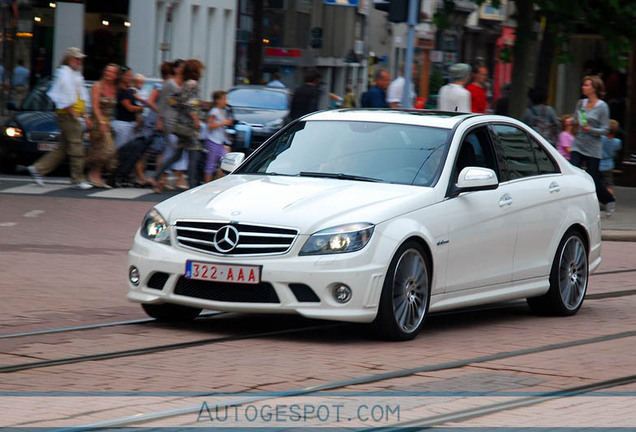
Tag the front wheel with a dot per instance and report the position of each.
(568, 279)
(405, 294)
(168, 312)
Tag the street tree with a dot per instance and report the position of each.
(613, 20)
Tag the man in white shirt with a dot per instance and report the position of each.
(70, 97)
(454, 96)
(395, 92)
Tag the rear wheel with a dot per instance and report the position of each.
(405, 294)
(568, 279)
(168, 312)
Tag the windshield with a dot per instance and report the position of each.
(37, 100)
(354, 150)
(257, 98)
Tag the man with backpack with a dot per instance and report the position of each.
(541, 117)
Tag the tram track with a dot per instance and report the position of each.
(208, 341)
(157, 348)
(458, 416)
(413, 424)
(93, 326)
(609, 272)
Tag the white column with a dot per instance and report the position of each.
(143, 54)
(201, 29)
(68, 30)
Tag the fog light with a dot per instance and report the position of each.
(133, 276)
(342, 293)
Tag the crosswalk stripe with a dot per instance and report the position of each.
(33, 189)
(121, 193)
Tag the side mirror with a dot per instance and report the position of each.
(477, 178)
(231, 161)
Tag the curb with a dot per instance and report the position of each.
(618, 235)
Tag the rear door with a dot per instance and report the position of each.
(538, 201)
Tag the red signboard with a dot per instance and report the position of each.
(283, 52)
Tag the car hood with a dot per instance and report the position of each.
(36, 121)
(258, 116)
(307, 204)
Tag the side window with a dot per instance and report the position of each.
(476, 151)
(517, 151)
(545, 162)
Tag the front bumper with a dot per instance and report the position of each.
(281, 275)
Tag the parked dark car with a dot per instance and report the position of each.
(263, 108)
(31, 131)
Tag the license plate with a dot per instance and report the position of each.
(48, 146)
(229, 273)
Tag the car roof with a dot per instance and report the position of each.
(441, 119)
(259, 87)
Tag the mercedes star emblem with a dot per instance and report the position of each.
(226, 239)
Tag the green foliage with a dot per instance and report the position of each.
(506, 55)
(614, 20)
(436, 81)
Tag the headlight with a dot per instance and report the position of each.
(340, 239)
(155, 228)
(13, 132)
(274, 124)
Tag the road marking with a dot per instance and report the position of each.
(33, 189)
(8, 224)
(33, 213)
(121, 193)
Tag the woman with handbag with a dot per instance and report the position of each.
(102, 155)
(186, 103)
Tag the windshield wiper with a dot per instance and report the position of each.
(340, 176)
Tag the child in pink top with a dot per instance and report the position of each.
(566, 136)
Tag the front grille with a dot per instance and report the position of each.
(242, 239)
(43, 136)
(227, 292)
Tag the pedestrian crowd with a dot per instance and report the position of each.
(128, 124)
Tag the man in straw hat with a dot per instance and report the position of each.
(453, 96)
(70, 97)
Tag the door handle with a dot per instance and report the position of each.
(505, 200)
(554, 187)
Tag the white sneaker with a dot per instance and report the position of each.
(37, 178)
(610, 207)
(83, 185)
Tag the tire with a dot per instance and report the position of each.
(7, 164)
(405, 295)
(568, 279)
(168, 312)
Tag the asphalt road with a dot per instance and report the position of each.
(64, 265)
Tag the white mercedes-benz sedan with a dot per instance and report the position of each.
(375, 216)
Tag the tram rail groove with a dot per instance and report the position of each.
(138, 419)
(156, 349)
(613, 272)
(92, 326)
(470, 413)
